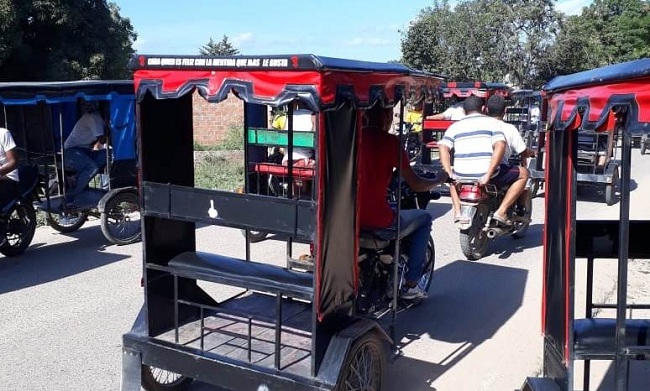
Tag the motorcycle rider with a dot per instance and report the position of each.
(496, 108)
(8, 171)
(377, 161)
(479, 146)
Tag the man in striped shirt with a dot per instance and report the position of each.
(479, 146)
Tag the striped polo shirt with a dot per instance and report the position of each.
(472, 140)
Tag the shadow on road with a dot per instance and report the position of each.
(468, 303)
(505, 246)
(638, 380)
(43, 262)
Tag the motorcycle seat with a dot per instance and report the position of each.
(378, 239)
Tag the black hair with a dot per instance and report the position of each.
(472, 104)
(496, 106)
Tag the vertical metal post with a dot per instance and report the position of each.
(176, 308)
(246, 179)
(278, 329)
(289, 152)
(250, 338)
(621, 369)
(589, 304)
(396, 258)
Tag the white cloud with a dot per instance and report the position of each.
(572, 7)
(239, 39)
(369, 41)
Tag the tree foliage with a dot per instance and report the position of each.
(524, 42)
(607, 32)
(221, 48)
(63, 40)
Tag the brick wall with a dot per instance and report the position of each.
(212, 120)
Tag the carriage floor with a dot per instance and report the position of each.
(229, 333)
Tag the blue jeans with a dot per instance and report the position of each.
(86, 163)
(416, 224)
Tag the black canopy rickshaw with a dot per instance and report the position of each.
(287, 329)
(525, 113)
(451, 93)
(41, 115)
(614, 98)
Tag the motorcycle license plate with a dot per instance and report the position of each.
(467, 213)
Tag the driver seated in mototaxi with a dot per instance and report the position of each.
(378, 159)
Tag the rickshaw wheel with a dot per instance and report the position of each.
(363, 368)
(120, 220)
(610, 189)
(473, 241)
(521, 228)
(68, 221)
(21, 226)
(156, 379)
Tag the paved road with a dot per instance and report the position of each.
(68, 299)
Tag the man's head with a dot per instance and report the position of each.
(88, 106)
(473, 104)
(496, 106)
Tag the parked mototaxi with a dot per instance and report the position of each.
(286, 328)
(612, 99)
(41, 115)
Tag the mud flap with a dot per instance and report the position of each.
(467, 213)
(131, 370)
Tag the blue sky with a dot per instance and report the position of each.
(355, 29)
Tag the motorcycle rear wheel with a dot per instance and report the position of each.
(473, 241)
(21, 227)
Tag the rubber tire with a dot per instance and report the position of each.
(113, 204)
(534, 188)
(429, 266)
(255, 236)
(373, 341)
(471, 252)
(9, 250)
(643, 148)
(521, 232)
(83, 216)
(610, 189)
(150, 383)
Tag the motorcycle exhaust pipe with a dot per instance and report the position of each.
(494, 232)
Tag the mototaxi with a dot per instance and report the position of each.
(41, 115)
(284, 327)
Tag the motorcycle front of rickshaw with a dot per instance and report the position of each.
(242, 320)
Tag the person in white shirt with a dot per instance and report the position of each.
(454, 112)
(479, 147)
(84, 150)
(515, 145)
(304, 120)
(8, 171)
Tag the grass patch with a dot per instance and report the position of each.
(233, 141)
(218, 172)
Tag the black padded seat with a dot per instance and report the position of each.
(237, 272)
(595, 338)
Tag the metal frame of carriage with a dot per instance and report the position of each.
(40, 116)
(613, 98)
(288, 329)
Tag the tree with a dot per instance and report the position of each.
(485, 40)
(221, 48)
(63, 40)
(606, 32)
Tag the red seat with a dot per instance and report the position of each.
(283, 171)
(432, 144)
